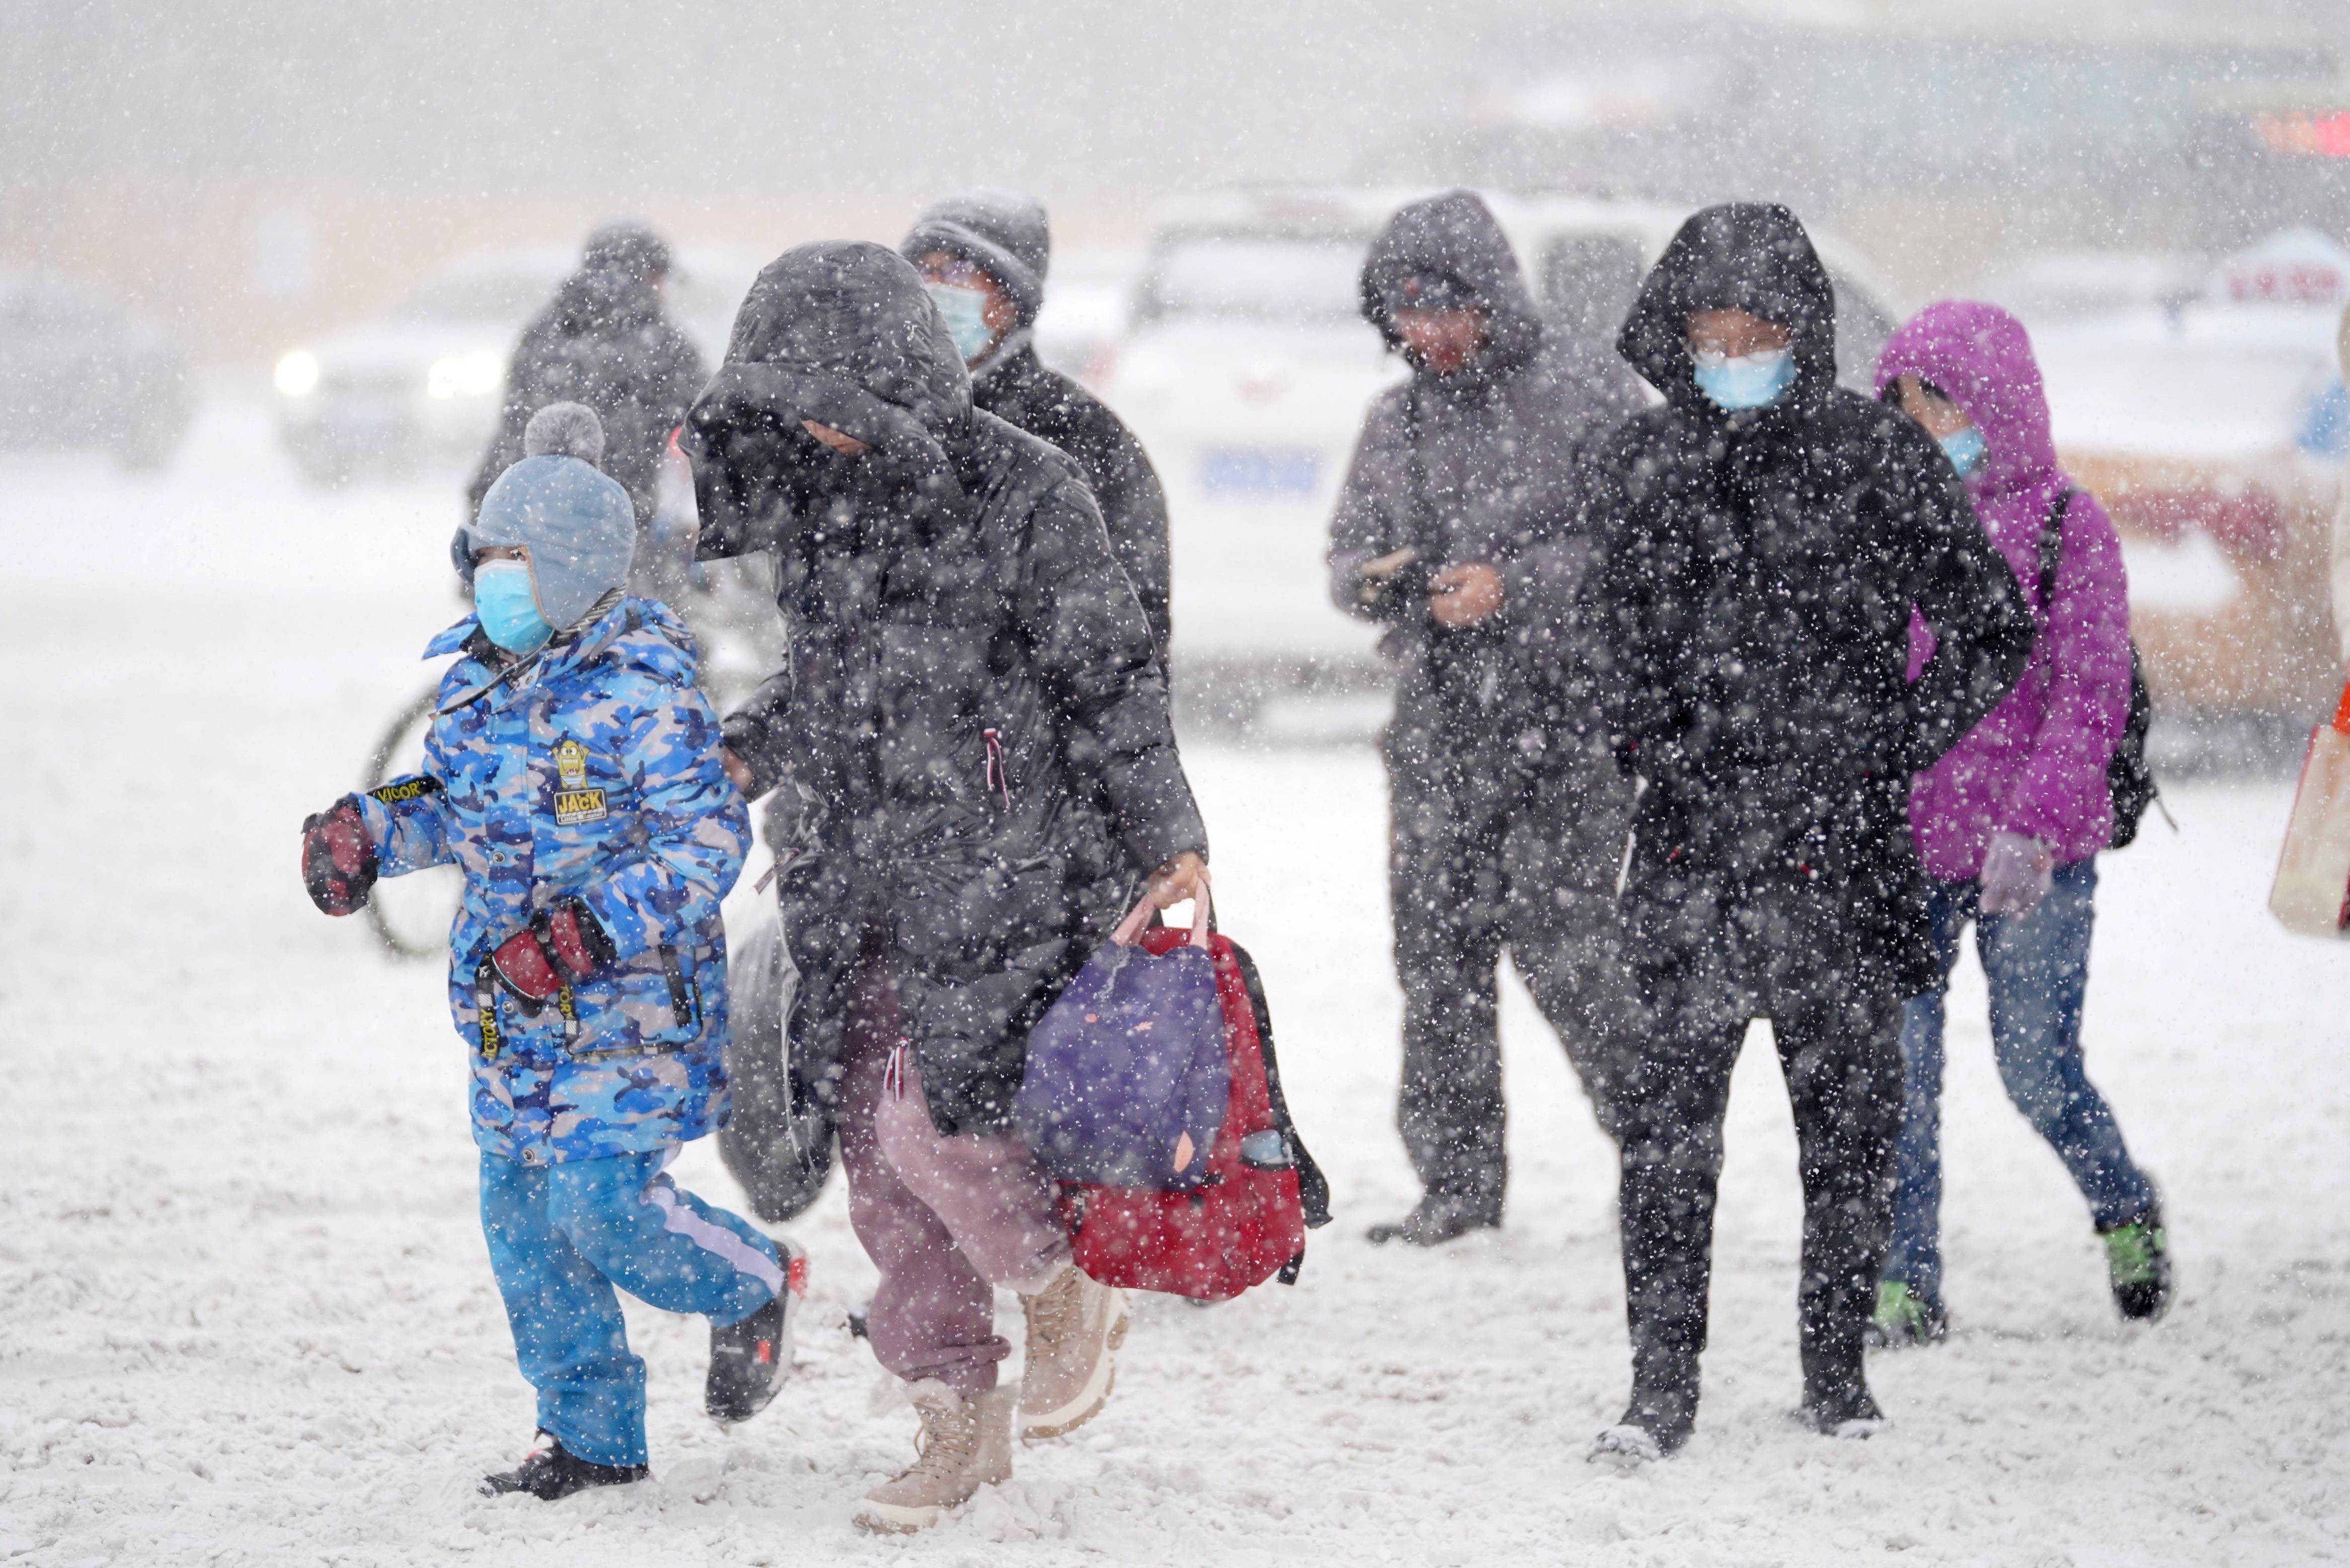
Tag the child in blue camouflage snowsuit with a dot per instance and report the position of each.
(573, 772)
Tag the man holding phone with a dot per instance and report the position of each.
(1458, 530)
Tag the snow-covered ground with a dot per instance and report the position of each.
(245, 1316)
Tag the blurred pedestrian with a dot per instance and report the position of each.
(1458, 530)
(605, 340)
(2342, 508)
(984, 256)
(2008, 824)
(957, 624)
(1766, 536)
(572, 772)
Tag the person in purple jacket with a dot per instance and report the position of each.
(2009, 823)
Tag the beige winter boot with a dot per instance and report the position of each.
(965, 1444)
(1074, 1326)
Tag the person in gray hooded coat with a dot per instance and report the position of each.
(1458, 530)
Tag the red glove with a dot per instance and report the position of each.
(559, 945)
(338, 861)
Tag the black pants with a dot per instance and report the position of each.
(1483, 858)
(1839, 1045)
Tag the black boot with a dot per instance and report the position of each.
(1435, 1220)
(551, 1471)
(749, 1360)
(1841, 1407)
(1657, 1424)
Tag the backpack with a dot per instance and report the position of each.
(2129, 780)
(1247, 1220)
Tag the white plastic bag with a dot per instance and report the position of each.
(2311, 892)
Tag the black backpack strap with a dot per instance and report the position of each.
(2051, 545)
(1312, 1187)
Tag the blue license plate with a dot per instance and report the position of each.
(1251, 470)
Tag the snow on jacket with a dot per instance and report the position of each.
(2036, 765)
(593, 773)
(603, 340)
(971, 731)
(1747, 626)
(1018, 387)
(1484, 464)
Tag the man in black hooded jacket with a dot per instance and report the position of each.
(994, 247)
(1460, 530)
(1766, 535)
(950, 852)
(603, 340)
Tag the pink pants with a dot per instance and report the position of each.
(946, 1219)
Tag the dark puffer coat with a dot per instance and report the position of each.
(1007, 236)
(1485, 464)
(956, 622)
(1749, 624)
(603, 341)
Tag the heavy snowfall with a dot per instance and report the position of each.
(248, 1317)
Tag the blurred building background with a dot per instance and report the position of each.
(251, 172)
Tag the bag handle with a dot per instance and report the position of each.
(1131, 927)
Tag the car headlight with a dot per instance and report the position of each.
(474, 375)
(296, 375)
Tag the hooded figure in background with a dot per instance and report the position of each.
(603, 341)
(1747, 632)
(1460, 530)
(972, 742)
(984, 256)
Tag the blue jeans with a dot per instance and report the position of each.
(2037, 968)
(561, 1236)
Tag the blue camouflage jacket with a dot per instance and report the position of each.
(593, 772)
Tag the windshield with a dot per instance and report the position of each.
(1254, 276)
(480, 297)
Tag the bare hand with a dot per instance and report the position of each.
(1185, 876)
(736, 769)
(1464, 595)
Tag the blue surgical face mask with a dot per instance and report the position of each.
(1965, 450)
(966, 313)
(1745, 380)
(502, 603)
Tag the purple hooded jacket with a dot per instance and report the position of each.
(2037, 765)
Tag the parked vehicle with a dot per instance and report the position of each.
(421, 383)
(1088, 295)
(2214, 433)
(1246, 371)
(77, 371)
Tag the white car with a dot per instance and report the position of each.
(1248, 367)
(422, 383)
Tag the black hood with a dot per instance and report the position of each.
(1456, 234)
(1746, 256)
(601, 302)
(1002, 232)
(841, 332)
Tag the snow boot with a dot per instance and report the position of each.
(2137, 1264)
(965, 1443)
(1905, 1317)
(550, 1472)
(1075, 1328)
(1435, 1220)
(1656, 1425)
(750, 1360)
(1844, 1410)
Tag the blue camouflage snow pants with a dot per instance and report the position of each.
(561, 1236)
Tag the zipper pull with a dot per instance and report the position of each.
(998, 780)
